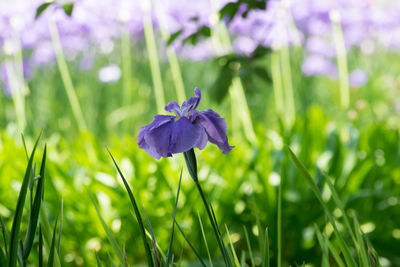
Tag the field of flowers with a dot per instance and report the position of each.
(205, 133)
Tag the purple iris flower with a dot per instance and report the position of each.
(189, 128)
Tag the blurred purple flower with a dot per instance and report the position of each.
(188, 129)
(318, 65)
(358, 78)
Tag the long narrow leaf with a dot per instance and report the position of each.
(18, 211)
(173, 222)
(137, 213)
(265, 260)
(40, 247)
(60, 228)
(249, 246)
(98, 262)
(110, 236)
(3, 260)
(153, 239)
(5, 234)
(323, 242)
(50, 262)
(235, 258)
(342, 244)
(205, 240)
(361, 244)
(46, 231)
(190, 245)
(34, 216)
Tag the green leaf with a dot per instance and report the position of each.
(3, 260)
(205, 240)
(60, 228)
(110, 236)
(5, 234)
(249, 246)
(190, 158)
(363, 254)
(46, 231)
(173, 222)
(50, 262)
(34, 214)
(98, 262)
(40, 246)
(153, 238)
(265, 259)
(42, 8)
(19, 209)
(174, 36)
(137, 213)
(191, 246)
(235, 258)
(342, 244)
(68, 8)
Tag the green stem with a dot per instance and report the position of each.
(191, 163)
(126, 71)
(279, 224)
(288, 85)
(153, 57)
(172, 58)
(341, 59)
(65, 76)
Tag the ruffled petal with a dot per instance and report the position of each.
(173, 107)
(215, 127)
(155, 137)
(191, 104)
(185, 135)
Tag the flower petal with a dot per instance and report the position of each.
(155, 137)
(185, 135)
(192, 103)
(173, 107)
(215, 127)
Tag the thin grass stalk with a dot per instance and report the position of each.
(172, 58)
(235, 258)
(265, 261)
(290, 108)
(342, 244)
(46, 231)
(152, 53)
(126, 71)
(205, 240)
(249, 247)
(16, 95)
(341, 58)
(222, 44)
(191, 246)
(65, 76)
(279, 225)
(277, 85)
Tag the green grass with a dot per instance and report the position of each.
(336, 204)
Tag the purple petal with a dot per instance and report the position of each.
(192, 103)
(185, 135)
(155, 137)
(216, 129)
(173, 107)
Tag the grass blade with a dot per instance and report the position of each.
(342, 244)
(243, 259)
(249, 246)
(137, 213)
(46, 231)
(279, 224)
(60, 228)
(323, 242)
(235, 258)
(98, 262)
(265, 258)
(110, 236)
(40, 247)
(21, 260)
(173, 222)
(360, 241)
(18, 211)
(50, 262)
(205, 240)
(5, 233)
(153, 239)
(34, 215)
(190, 245)
(3, 260)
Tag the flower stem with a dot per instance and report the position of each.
(191, 163)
